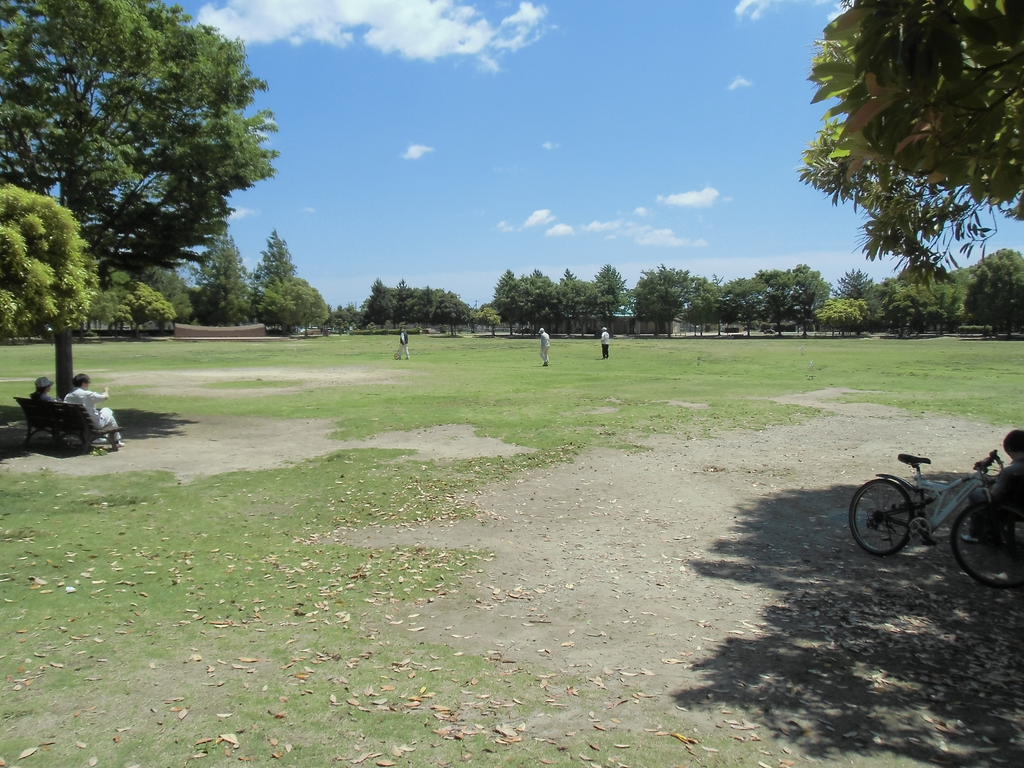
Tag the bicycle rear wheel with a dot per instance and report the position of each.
(988, 543)
(880, 513)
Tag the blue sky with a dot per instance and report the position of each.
(445, 141)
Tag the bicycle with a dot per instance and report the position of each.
(988, 543)
(886, 511)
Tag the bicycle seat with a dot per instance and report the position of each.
(913, 461)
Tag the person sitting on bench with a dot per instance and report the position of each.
(103, 417)
(42, 392)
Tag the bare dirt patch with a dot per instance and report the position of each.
(443, 443)
(712, 584)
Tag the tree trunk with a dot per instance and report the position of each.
(64, 363)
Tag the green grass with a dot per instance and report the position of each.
(143, 617)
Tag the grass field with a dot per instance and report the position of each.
(154, 623)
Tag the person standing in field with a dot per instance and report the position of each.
(605, 341)
(403, 344)
(545, 345)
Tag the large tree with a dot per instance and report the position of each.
(995, 294)
(222, 294)
(135, 119)
(46, 276)
(925, 134)
(508, 299)
(610, 293)
(809, 294)
(778, 299)
(742, 300)
(662, 295)
(378, 307)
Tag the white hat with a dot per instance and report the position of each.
(541, 330)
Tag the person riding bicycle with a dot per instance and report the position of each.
(1008, 488)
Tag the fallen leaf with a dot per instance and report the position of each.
(682, 738)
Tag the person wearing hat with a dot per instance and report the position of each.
(101, 417)
(605, 341)
(42, 392)
(545, 345)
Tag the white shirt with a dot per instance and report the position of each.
(545, 340)
(605, 338)
(88, 398)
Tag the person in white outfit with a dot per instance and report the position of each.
(101, 417)
(605, 341)
(545, 344)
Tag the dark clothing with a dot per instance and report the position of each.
(604, 350)
(1009, 485)
(45, 397)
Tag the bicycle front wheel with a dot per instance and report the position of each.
(988, 543)
(880, 513)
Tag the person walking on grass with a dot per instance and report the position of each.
(545, 345)
(102, 417)
(403, 344)
(606, 339)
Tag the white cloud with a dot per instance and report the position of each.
(539, 218)
(504, 226)
(663, 237)
(703, 198)
(755, 9)
(309, 210)
(416, 151)
(549, 145)
(415, 29)
(560, 230)
(739, 82)
(641, 211)
(603, 226)
(240, 213)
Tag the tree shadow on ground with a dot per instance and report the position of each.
(137, 425)
(904, 655)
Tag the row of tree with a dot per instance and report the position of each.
(219, 291)
(990, 293)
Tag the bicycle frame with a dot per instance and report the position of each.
(949, 496)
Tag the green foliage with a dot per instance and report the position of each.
(379, 305)
(291, 303)
(924, 134)
(450, 310)
(143, 304)
(135, 116)
(46, 275)
(742, 300)
(778, 297)
(576, 300)
(170, 283)
(487, 316)
(995, 294)
(506, 300)
(809, 293)
(222, 294)
(662, 295)
(845, 315)
(610, 293)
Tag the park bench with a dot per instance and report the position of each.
(60, 419)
